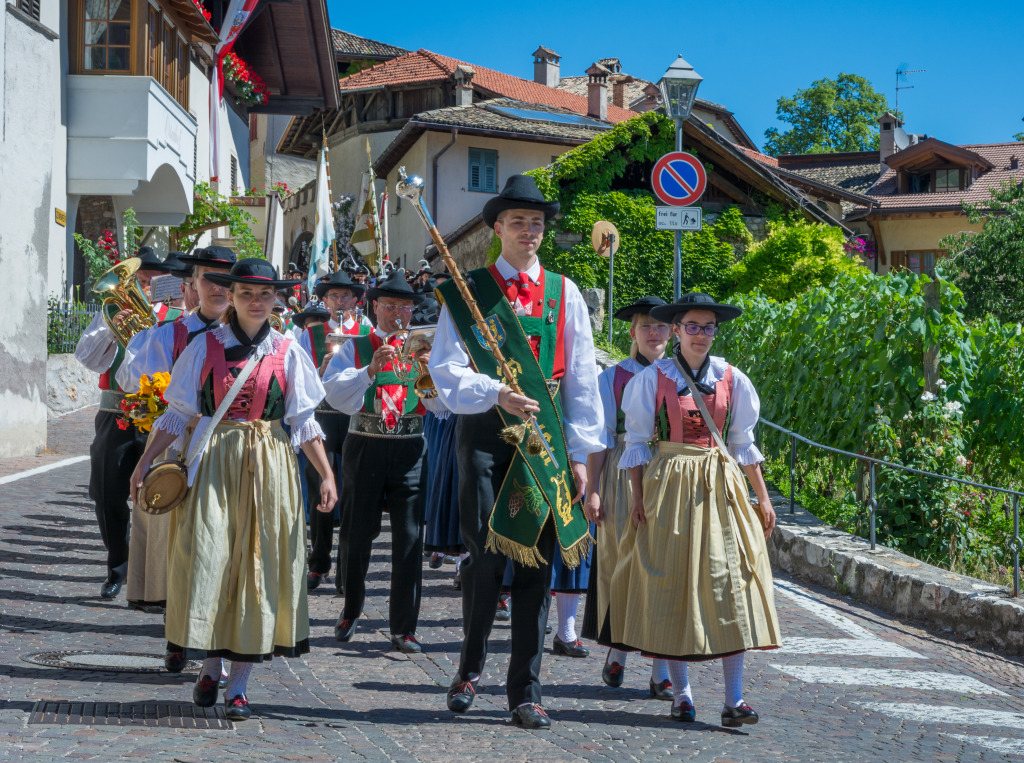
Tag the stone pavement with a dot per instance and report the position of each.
(850, 684)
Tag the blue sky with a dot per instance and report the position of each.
(749, 53)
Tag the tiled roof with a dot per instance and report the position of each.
(348, 44)
(481, 115)
(999, 154)
(771, 161)
(425, 66)
(856, 174)
(578, 86)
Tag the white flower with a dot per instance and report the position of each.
(939, 451)
(927, 397)
(941, 384)
(908, 417)
(953, 406)
(878, 410)
(961, 461)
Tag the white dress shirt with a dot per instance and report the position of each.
(152, 351)
(348, 324)
(464, 391)
(346, 385)
(303, 390)
(640, 398)
(97, 346)
(606, 386)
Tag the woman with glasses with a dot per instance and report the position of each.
(693, 581)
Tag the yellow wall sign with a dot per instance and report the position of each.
(61, 216)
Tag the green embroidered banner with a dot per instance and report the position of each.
(533, 489)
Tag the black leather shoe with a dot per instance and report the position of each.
(110, 589)
(531, 717)
(237, 709)
(204, 693)
(612, 674)
(734, 717)
(344, 629)
(685, 712)
(504, 613)
(313, 580)
(460, 695)
(575, 649)
(436, 560)
(662, 690)
(174, 662)
(407, 644)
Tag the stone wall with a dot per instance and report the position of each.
(70, 386)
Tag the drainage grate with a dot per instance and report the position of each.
(117, 662)
(175, 715)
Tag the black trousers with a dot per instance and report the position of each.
(321, 524)
(484, 459)
(375, 471)
(114, 453)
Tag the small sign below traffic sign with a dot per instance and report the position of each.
(678, 179)
(678, 218)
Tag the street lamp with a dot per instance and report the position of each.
(678, 88)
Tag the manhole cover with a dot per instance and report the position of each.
(118, 662)
(178, 715)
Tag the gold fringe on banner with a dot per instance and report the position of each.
(576, 553)
(528, 556)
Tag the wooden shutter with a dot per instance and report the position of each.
(490, 174)
(31, 7)
(483, 170)
(183, 69)
(474, 169)
(897, 260)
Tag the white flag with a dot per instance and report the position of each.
(323, 234)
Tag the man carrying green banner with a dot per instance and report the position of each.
(517, 498)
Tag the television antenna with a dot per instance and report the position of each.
(901, 77)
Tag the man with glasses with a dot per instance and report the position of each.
(384, 455)
(342, 295)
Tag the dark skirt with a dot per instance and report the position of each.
(442, 513)
(563, 579)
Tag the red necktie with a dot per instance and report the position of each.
(391, 396)
(518, 289)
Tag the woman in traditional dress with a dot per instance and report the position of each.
(237, 543)
(692, 581)
(610, 503)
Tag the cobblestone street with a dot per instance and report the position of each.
(850, 684)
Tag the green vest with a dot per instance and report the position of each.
(364, 352)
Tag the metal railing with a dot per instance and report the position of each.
(66, 321)
(1016, 545)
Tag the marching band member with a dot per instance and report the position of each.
(384, 455)
(342, 295)
(237, 542)
(610, 504)
(692, 580)
(511, 506)
(114, 449)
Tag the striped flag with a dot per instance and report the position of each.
(364, 234)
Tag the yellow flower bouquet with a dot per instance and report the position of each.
(144, 407)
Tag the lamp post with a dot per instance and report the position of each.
(678, 88)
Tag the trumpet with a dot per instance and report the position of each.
(121, 291)
(405, 365)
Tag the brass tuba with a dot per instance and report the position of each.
(121, 292)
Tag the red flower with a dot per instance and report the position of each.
(122, 424)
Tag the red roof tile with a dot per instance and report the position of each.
(771, 161)
(425, 66)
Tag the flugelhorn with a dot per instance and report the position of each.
(405, 365)
(121, 291)
(411, 187)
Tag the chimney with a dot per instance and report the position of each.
(546, 67)
(652, 99)
(619, 82)
(891, 137)
(464, 86)
(597, 92)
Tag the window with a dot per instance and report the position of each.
(31, 7)
(921, 262)
(483, 170)
(155, 56)
(183, 68)
(108, 35)
(947, 180)
(921, 182)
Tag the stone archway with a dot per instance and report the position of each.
(299, 256)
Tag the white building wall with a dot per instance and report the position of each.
(348, 159)
(31, 186)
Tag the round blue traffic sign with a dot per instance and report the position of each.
(678, 179)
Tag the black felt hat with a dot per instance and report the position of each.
(695, 301)
(313, 309)
(642, 306)
(395, 286)
(178, 268)
(520, 192)
(210, 257)
(251, 270)
(149, 260)
(339, 280)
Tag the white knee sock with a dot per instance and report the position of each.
(617, 655)
(659, 671)
(567, 605)
(680, 682)
(237, 679)
(732, 671)
(211, 667)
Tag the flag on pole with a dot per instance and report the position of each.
(323, 234)
(364, 233)
(384, 224)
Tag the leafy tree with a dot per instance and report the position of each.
(830, 115)
(796, 256)
(1018, 136)
(989, 266)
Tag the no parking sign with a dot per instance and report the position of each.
(678, 179)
